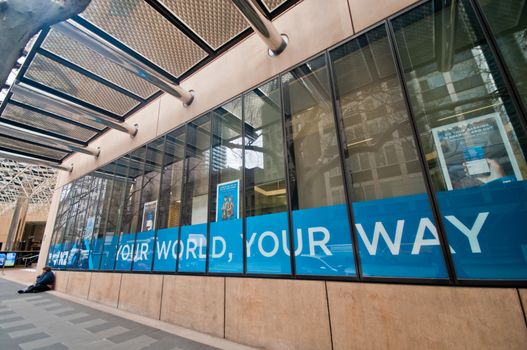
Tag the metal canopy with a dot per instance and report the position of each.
(165, 41)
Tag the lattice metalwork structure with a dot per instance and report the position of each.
(17, 180)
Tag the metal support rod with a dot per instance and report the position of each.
(25, 159)
(275, 41)
(111, 52)
(43, 139)
(59, 105)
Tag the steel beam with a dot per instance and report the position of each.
(25, 159)
(59, 105)
(275, 41)
(24, 134)
(111, 52)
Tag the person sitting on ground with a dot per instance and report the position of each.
(44, 282)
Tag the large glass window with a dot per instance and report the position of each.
(69, 230)
(267, 233)
(320, 220)
(225, 248)
(193, 236)
(85, 223)
(114, 213)
(508, 22)
(390, 204)
(471, 135)
(60, 226)
(99, 217)
(132, 185)
(78, 248)
(166, 248)
(144, 241)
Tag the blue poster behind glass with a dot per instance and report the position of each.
(125, 252)
(166, 249)
(193, 248)
(226, 249)
(323, 241)
(95, 254)
(2, 259)
(227, 201)
(108, 254)
(397, 238)
(268, 244)
(144, 249)
(486, 228)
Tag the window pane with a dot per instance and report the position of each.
(170, 202)
(226, 251)
(60, 223)
(320, 220)
(389, 198)
(115, 213)
(86, 226)
(196, 193)
(508, 23)
(78, 228)
(267, 230)
(472, 138)
(103, 204)
(144, 241)
(131, 219)
(69, 231)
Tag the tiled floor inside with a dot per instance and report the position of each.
(43, 321)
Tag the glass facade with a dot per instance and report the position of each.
(399, 154)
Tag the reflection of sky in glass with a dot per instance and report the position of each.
(255, 159)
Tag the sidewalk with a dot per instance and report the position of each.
(56, 321)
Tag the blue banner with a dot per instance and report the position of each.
(193, 248)
(108, 254)
(95, 254)
(323, 241)
(62, 255)
(144, 249)
(486, 228)
(268, 244)
(125, 252)
(226, 246)
(397, 237)
(49, 261)
(166, 250)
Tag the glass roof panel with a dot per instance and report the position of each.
(59, 77)
(21, 146)
(45, 123)
(67, 115)
(145, 30)
(215, 21)
(82, 56)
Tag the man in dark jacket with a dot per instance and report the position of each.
(44, 282)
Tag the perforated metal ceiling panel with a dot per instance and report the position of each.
(215, 21)
(57, 76)
(29, 148)
(45, 123)
(146, 31)
(63, 114)
(82, 56)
